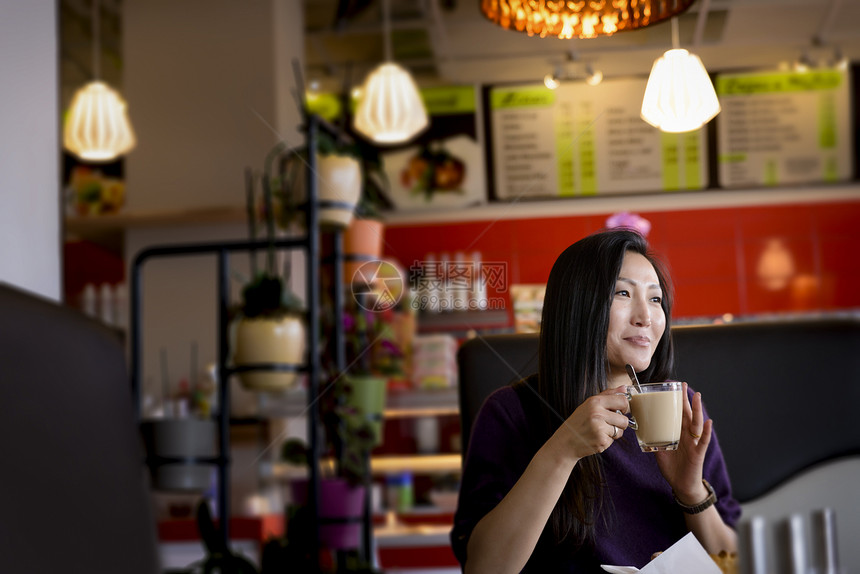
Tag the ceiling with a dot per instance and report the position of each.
(450, 41)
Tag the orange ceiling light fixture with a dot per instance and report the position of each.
(567, 19)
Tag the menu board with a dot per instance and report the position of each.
(784, 127)
(586, 140)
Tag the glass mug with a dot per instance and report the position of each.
(655, 414)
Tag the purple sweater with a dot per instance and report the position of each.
(642, 515)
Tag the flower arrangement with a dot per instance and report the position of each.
(371, 345)
(269, 325)
(91, 193)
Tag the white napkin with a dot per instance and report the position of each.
(683, 557)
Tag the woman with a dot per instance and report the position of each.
(553, 480)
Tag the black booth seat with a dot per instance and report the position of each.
(782, 394)
(73, 490)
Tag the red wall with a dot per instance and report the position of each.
(87, 262)
(712, 254)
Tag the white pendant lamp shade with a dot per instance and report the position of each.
(97, 127)
(390, 110)
(679, 96)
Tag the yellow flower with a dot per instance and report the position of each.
(112, 195)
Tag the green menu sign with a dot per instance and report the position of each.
(784, 127)
(586, 140)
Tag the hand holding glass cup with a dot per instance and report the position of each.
(656, 410)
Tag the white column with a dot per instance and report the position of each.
(29, 148)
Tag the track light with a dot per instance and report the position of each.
(552, 80)
(840, 62)
(592, 77)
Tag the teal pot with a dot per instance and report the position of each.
(340, 502)
(367, 396)
(180, 438)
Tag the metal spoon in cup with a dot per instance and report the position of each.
(632, 374)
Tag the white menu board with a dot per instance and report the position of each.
(586, 140)
(784, 127)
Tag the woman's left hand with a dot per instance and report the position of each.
(682, 468)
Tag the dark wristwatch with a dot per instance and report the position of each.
(704, 505)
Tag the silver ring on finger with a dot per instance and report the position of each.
(614, 432)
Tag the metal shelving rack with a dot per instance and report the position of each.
(310, 242)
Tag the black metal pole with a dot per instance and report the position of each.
(337, 279)
(367, 517)
(314, 367)
(224, 396)
(134, 342)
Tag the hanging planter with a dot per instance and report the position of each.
(365, 395)
(339, 176)
(362, 242)
(338, 188)
(269, 329)
(179, 439)
(269, 340)
(342, 504)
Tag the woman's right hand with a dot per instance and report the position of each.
(591, 427)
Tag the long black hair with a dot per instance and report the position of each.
(572, 357)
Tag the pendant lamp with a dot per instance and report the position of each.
(679, 96)
(97, 127)
(390, 110)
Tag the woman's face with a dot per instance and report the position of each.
(636, 318)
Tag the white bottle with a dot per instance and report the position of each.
(479, 291)
(430, 284)
(89, 300)
(106, 304)
(446, 296)
(120, 306)
(461, 286)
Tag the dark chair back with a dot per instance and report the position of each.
(73, 491)
(490, 362)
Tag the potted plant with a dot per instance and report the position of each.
(363, 239)
(296, 554)
(373, 358)
(339, 177)
(349, 438)
(181, 429)
(347, 173)
(269, 326)
(189, 437)
(350, 406)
